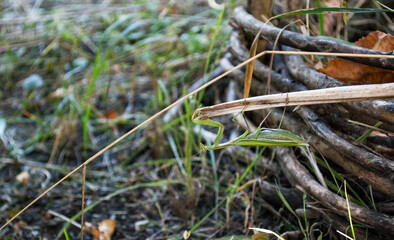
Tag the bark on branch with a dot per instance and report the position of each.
(379, 221)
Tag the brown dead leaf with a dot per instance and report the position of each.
(18, 225)
(350, 72)
(92, 230)
(23, 177)
(378, 41)
(106, 229)
(110, 114)
(46, 215)
(103, 231)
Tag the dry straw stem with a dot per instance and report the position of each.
(150, 119)
(310, 97)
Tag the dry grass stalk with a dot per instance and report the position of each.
(310, 97)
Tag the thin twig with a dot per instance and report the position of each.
(83, 198)
(61, 216)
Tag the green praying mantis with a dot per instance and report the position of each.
(261, 137)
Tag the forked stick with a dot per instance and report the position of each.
(179, 101)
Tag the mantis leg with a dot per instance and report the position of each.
(210, 122)
(241, 120)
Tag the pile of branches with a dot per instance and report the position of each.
(366, 167)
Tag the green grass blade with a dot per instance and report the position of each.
(210, 50)
(285, 202)
(214, 169)
(304, 207)
(249, 168)
(349, 213)
(321, 17)
(215, 34)
(341, 192)
(163, 92)
(336, 187)
(384, 6)
(96, 73)
(372, 199)
(365, 135)
(66, 235)
(238, 180)
(292, 211)
(85, 124)
(175, 152)
(117, 23)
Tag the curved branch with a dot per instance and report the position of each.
(379, 221)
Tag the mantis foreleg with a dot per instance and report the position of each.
(212, 123)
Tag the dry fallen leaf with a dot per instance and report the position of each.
(106, 229)
(350, 72)
(17, 226)
(378, 41)
(23, 177)
(111, 114)
(91, 229)
(103, 231)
